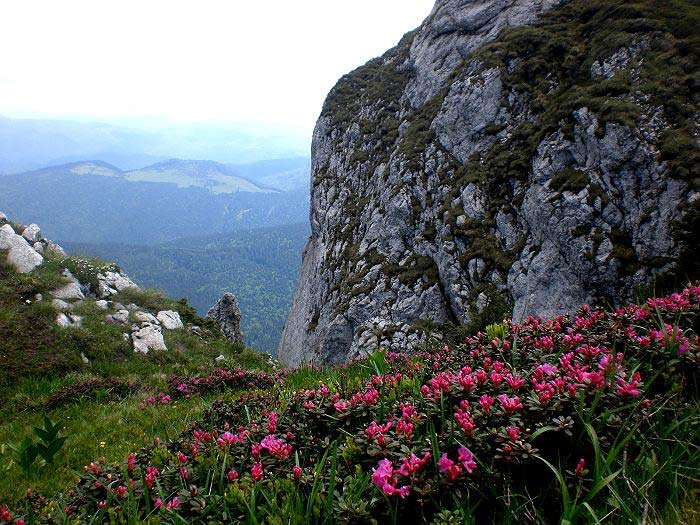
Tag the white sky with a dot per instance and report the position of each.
(194, 60)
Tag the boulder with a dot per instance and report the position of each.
(20, 254)
(227, 315)
(113, 282)
(148, 338)
(121, 317)
(38, 248)
(102, 304)
(32, 233)
(3, 217)
(52, 247)
(71, 291)
(170, 320)
(69, 320)
(60, 304)
(145, 318)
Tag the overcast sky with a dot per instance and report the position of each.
(195, 60)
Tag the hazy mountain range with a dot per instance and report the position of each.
(194, 228)
(96, 202)
(28, 144)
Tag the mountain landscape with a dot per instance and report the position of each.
(487, 312)
(259, 266)
(96, 202)
(30, 144)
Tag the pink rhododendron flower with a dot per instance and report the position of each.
(383, 477)
(513, 433)
(486, 402)
(510, 404)
(449, 467)
(257, 471)
(466, 458)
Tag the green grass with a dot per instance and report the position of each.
(112, 430)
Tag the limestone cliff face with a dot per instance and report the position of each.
(507, 157)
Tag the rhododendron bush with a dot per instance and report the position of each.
(542, 423)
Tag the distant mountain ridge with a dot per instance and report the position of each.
(29, 144)
(95, 201)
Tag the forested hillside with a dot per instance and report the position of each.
(259, 266)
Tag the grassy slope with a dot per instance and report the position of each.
(38, 358)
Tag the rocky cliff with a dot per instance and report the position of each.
(507, 157)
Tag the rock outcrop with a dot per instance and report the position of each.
(142, 328)
(20, 254)
(485, 168)
(227, 315)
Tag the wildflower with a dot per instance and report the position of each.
(227, 439)
(383, 477)
(296, 472)
(448, 466)
(580, 467)
(465, 421)
(272, 422)
(232, 476)
(182, 458)
(276, 447)
(631, 389)
(257, 471)
(101, 505)
(486, 402)
(413, 464)
(130, 462)
(159, 503)
(510, 404)
(466, 458)
(173, 504)
(513, 433)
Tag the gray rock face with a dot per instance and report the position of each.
(170, 320)
(69, 321)
(71, 291)
(32, 233)
(112, 283)
(147, 339)
(20, 254)
(409, 225)
(227, 315)
(120, 317)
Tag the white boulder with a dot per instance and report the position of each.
(114, 282)
(60, 304)
(148, 338)
(170, 319)
(20, 254)
(121, 317)
(69, 321)
(38, 248)
(71, 291)
(145, 318)
(32, 233)
(102, 304)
